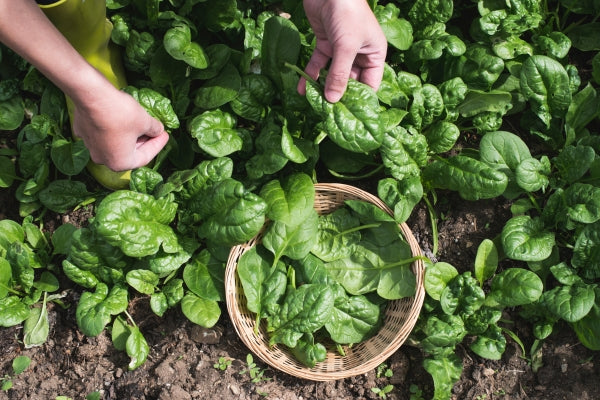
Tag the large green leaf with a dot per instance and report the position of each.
(137, 223)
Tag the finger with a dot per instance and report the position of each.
(148, 149)
(339, 72)
(318, 60)
(372, 76)
(155, 128)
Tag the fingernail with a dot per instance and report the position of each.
(333, 97)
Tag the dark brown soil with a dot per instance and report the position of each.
(181, 363)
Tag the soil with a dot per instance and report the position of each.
(182, 361)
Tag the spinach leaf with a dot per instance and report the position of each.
(95, 310)
(289, 200)
(264, 283)
(137, 223)
(473, 179)
(293, 241)
(215, 133)
(354, 319)
(525, 238)
(369, 267)
(230, 214)
(304, 310)
(545, 84)
(308, 352)
(353, 123)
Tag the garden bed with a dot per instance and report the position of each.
(181, 363)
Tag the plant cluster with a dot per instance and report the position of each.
(487, 98)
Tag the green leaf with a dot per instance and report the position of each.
(404, 153)
(219, 90)
(486, 261)
(10, 232)
(63, 195)
(515, 287)
(120, 332)
(254, 98)
(36, 327)
(5, 277)
(48, 282)
(264, 285)
(12, 113)
(398, 31)
(142, 280)
(178, 43)
(293, 241)
(20, 364)
(354, 122)
(137, 223)
(582, 110)
(158, 303)
(462, 295)
(280, 44)
(70, 157)
(231, 214)
(7, 172)
(491, 344)
(308, 352)
(545, 84)
(526, 239)
(304, 310)
(437, 276)
(216, 133)
(446, 371)
(81, 277)
(588, 328)
(204, 276)
(400, 195)
(354, 319)
(12, 311)
(289, 200)
(200, 311)
(472, 179)
(370, 267)
(94, 310)
(586, 257)
(570, 303)
(155, 104)
(137, 348)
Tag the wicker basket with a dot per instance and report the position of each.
(400, 316)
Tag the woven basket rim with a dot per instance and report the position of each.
(333, 367)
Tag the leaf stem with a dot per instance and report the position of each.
(296, 69)
(434, 228)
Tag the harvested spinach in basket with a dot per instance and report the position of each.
(325, 278)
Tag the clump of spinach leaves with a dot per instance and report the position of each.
(27, 281)
(316, 278)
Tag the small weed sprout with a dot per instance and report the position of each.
(222, 364)
(383, 371)
(19, 365)
(256, 374)
(382, 392)
(415, 392)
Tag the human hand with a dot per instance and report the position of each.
(349, 35)
(117, 130)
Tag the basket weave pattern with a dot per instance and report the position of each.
(400, 315)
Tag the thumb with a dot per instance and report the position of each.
(147, 149)
(154, 128)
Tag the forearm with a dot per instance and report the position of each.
(26, 30)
